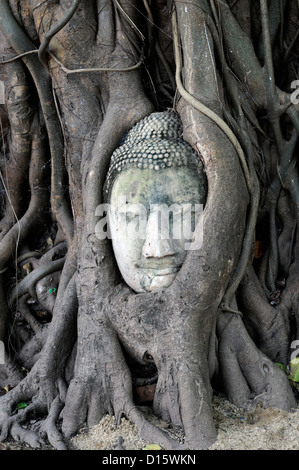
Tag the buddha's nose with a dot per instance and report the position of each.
(158, 242)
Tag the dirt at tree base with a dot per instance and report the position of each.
(261, 429)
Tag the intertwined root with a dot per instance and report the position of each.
(14, 418)
(85, 123)
(248, 376)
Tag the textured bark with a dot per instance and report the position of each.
(88, 72)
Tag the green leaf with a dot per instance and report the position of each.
(152, 447)
(22, 405)
(281, 366)
(294, 370)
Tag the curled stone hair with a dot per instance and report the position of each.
(153, 143)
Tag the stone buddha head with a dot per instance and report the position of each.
(155, 189)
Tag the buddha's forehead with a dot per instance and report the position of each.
(168, 186)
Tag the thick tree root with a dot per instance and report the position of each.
(266, 324)
(12, 418)
(25, 436)
(42, 389)
(151, 433)
(49, 427)
(248, 376)
(42, 400)
(85, 116)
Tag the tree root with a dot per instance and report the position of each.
(249, 377)
(11, 420)
(30, 351)
(42, 388)
(49, 427)
(36, 213)
(286, 238)
(149, 432)
(175, 328)
(265, 323)
(21, 43)
(29, 282)
(16, 161)
(26, 436)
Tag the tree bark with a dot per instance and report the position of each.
(78, 76)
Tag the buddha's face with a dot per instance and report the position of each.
(151, 219)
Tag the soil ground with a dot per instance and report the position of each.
(261, 429)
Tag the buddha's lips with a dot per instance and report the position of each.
(160, 270)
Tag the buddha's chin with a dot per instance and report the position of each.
(157, 283)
